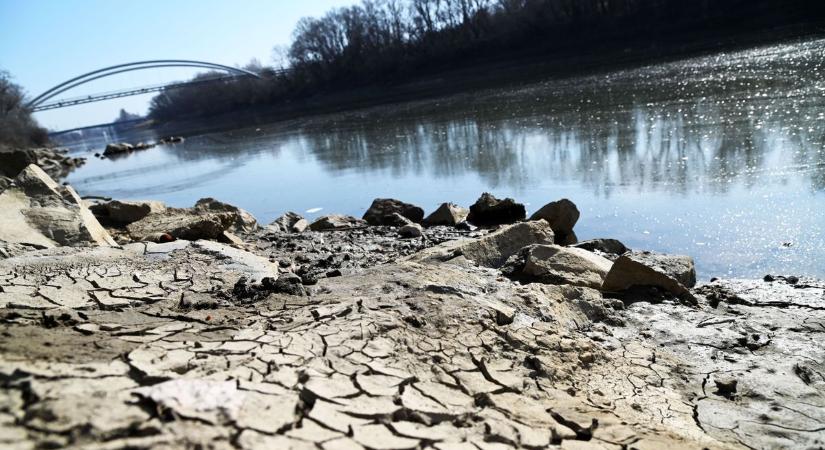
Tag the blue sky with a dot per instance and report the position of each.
(45, 42)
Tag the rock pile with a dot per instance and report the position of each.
(54, 161)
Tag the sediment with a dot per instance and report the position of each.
(356, 338)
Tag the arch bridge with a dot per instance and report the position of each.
(42, 102)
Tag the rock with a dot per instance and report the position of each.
(605, 246)
(567, 239)
(53, 161)
(290, 222)
(244, 221)
(336, 222)
(553, 264)
(673, 273)
(488, 210)
(412, 230)
(383, 207)
(117, 149)
(183, 224)
(126, 212)
(38, 211)
(228, 237)
(493, 249)
(4, 183)
(562, 216)
(287, 283)
(726, 387)
(447, 214)
(396, 220)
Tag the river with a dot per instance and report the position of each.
(719, 157)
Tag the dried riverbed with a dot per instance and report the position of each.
(345, 335)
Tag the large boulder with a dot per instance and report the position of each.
(244, 221)
(493, 249)
(488, 210)
(125, 212)
(182, 224)
(562, 216)
(289, 222)
(382, 209)
(37, 211)
(334, 222)
(553, 264)
(672, 273)
(447, 214)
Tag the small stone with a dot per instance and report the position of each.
(287, 222)
(412, 230)
(336, 222)
(726, 387)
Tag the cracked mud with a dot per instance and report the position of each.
(147, 346)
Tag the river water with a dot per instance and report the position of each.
(720, 157)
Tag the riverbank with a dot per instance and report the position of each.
(519, 68)
(383, 333)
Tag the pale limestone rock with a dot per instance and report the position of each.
(493, 249)
(37, 211)
(561, 265)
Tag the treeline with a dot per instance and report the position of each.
(390, 40)
(17, 126)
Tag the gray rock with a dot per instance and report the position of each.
(290, 222)
(117, 148)
(396, 220)
(126, 212)
(412, 230)
(447, 214)
(562, 216)
(673, 273)
(37, 211)
(488, 210)
(244, 221)
(554, 264)
(382, 209)
(183, 224)
(493, 249)
(336, 222)
(300, 226)
(606, 246)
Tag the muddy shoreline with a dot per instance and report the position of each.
(198, 327)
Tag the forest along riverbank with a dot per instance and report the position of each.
(133, 324)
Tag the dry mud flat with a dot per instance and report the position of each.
(164, 346)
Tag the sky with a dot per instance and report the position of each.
(46, 42)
